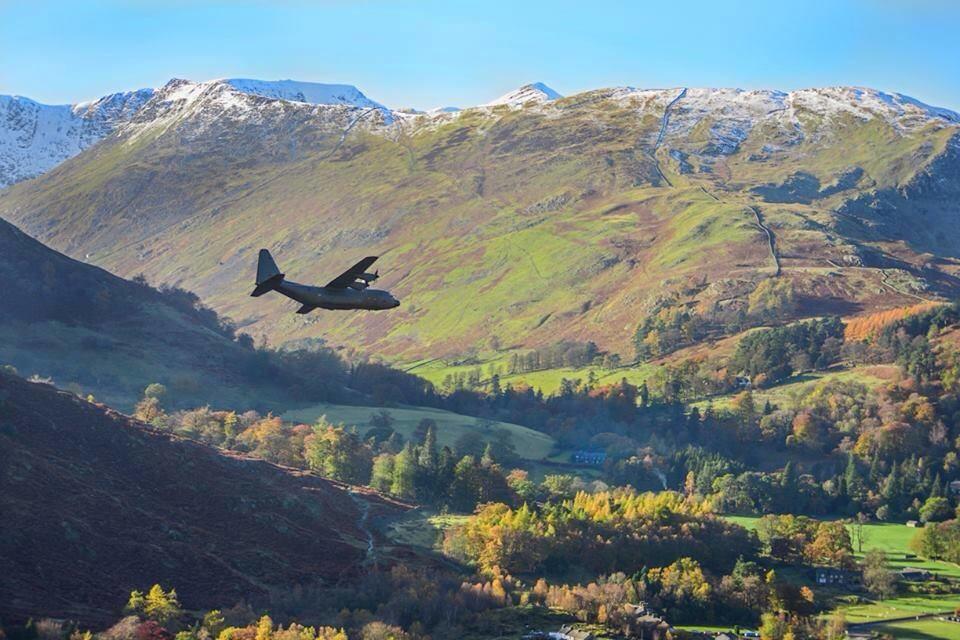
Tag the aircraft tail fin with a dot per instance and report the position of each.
(268, 274)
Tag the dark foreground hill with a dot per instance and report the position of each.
(94, 505)
(97, 333)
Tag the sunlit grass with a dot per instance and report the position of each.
(529, 444)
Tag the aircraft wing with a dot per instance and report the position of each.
(350, 276)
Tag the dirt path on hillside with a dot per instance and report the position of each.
(885, 281)
(771, 240)
(758, 219)
(364, 524)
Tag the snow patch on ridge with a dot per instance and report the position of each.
(536, 92)
(309, 92)
(35, 138)
(215, 103)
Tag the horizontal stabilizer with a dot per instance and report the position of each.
(306, 309)
(267, 285)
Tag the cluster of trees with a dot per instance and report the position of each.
(770, 355)
(851, 477)
(867, 327)
(674, 324)
(684, 592)
(680, 592)
(669, 327)
(888, 452)
(773, 300)
(157, 605)
(470, 472)
(399, 604)
(600, 532)
(801, 540)
(404, 603)
(439, 477)
(567, 353)
(691, 379)
(939, 541)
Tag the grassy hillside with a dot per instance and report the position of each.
(505, 229)
(529, 444)
(96, 333)
(786, 393)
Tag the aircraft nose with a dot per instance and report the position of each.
(394, 303)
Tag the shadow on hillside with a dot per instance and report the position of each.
(827, 306)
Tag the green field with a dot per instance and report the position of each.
(706, 628)
(547, 380)
(926, 629)
(422, 528)
(902, 607)
(785, 393)
(894, 539)
(529, 444)
(891, 537)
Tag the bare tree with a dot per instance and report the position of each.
(858, 532)
(877, 578)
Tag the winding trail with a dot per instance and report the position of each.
(885, 281)
(666, 117)
(363, 523)
(708, 193)
(663, 131)
(771, 241)
(758, 218)
(346, 132)
(771, 238)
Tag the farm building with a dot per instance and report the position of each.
(832, 576)
(594, 458)
(567, 632)
(914, 574)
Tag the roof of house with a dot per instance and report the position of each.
(575, 634)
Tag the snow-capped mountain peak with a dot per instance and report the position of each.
(204, 106)
(309, 92)
(536, 92)
(36, 137)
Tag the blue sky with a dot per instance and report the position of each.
(423, 53)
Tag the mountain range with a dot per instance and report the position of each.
(533, 219)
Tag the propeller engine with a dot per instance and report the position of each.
(369, 277)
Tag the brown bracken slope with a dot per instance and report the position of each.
(95, 504)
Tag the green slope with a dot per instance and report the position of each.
(529, 444)
(512, 228)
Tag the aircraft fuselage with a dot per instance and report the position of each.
(337, 298)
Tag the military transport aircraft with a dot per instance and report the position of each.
(349, 290)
